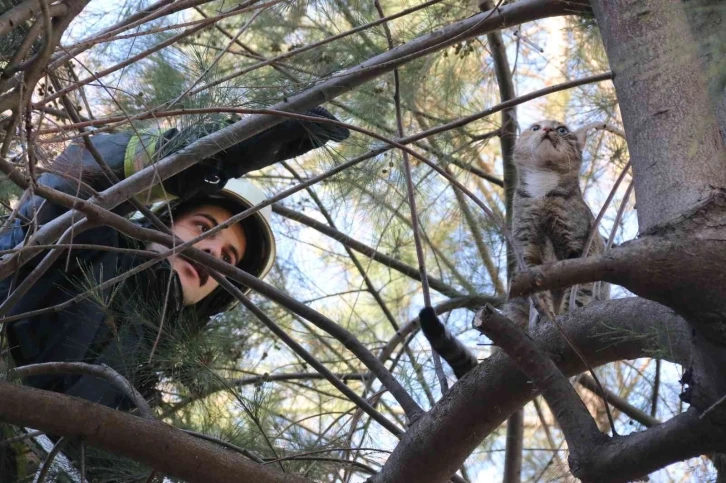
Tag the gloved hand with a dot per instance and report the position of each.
(283, 141)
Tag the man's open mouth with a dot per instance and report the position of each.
(202, 272)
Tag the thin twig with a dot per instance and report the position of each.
(40, 477)
(305, 355)
(595, 228)
(618, 402)
(656, 389)
(420, 257)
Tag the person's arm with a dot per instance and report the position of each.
(283, 141)
(129, 153)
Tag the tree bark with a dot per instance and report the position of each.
(708, 26)
(679, 166)
(152, 443)
(439, 442)
(670, 122)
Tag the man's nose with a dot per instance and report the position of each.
(213, 250)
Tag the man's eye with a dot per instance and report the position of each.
(562, 130)
(535, 127)
(227, 259)
(202, 227)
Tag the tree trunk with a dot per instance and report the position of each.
(708, 26)
(669, 118)
(679, 167)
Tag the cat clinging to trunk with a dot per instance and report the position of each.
(550, 222)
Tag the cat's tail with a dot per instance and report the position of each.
(445, 344)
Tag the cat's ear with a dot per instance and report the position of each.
(581, 134)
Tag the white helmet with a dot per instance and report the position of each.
(260, 239)
(237, 196)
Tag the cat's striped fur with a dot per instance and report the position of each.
(550, 222)
(550, 219)
(459, 358)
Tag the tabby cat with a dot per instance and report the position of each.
(550, 222)
(550, 219)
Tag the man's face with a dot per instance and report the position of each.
(228, 244)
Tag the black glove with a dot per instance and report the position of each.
(286, 140)
(283, 141)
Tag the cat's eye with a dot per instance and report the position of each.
(562, 130)
(536, 127)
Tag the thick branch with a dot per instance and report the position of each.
(632, 457)
(678, 272)
(436, 446)
(103, 372)
(164, 448)
(579, 428)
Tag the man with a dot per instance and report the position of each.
(122, 325)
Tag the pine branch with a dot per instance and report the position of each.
(372, 253)
(116, 194)
(305, 355)
(375, 293)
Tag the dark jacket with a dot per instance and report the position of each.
(117, 326)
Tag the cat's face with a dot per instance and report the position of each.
(549, 145)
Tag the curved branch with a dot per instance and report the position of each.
(675, 271)
(166, 449)
(579, 427)
(82, 368)
(436, 446)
